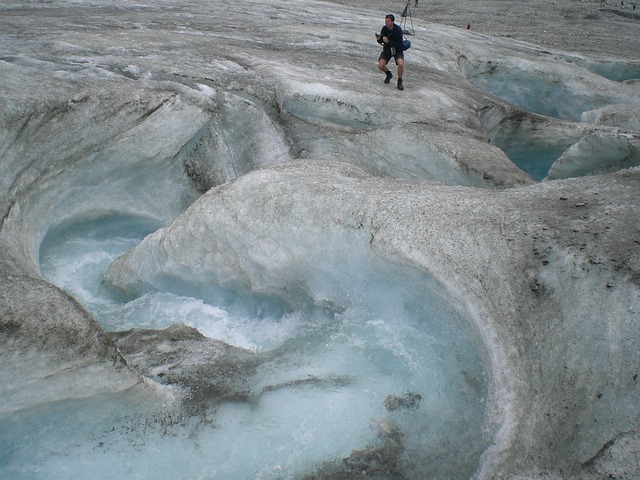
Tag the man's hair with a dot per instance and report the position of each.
(393, 19)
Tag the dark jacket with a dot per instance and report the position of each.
(395, 37)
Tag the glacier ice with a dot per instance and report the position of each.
(625, 117)
(554, 90)
(354, 245)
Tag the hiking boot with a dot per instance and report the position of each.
(389, 77)
(400, 86)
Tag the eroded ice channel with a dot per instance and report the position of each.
(388, 374)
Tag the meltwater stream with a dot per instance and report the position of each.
(390, 386)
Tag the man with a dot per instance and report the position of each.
(390, 37)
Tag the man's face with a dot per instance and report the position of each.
(388, 22)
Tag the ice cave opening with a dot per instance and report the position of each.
(390, 374)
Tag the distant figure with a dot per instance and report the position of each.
(390, 37)
(468, 26)
(416, 3)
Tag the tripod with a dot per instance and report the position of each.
(407, 13)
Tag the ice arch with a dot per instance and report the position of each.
(300, 252)
(380, 353)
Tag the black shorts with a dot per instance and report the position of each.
(386, 54)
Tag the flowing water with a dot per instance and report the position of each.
(398, 371)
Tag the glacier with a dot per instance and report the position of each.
(228, 250)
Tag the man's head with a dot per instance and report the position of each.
(389, 19)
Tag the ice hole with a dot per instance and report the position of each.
(395, 371)
(534, 155)
(528, 140)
